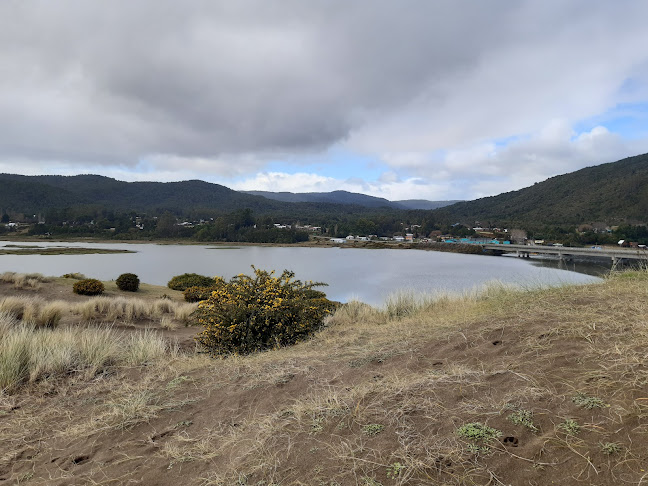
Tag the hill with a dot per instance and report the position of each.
(424, 204)
(505, 387)
(39, 193)
(345, 197)
(613, 193)
(334, 197)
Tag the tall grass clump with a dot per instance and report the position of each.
(115, 308)
(184, 312)
(24, 281)
(7, 277)
(143, 348)
(34, 310)
(407, 303)
(28, 353)
(252, 313)
(16, 306)
(14, 355)
(354, 312)
(51, 313)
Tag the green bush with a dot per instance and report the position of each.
(128, 282)
(252, 313)
(186, 280)
(89, 286)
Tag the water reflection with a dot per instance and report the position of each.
(367, 275)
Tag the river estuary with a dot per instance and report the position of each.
(363, 274)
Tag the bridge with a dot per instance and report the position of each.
(567, 252)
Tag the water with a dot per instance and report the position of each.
(366, 275)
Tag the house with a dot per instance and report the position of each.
(409, 237)
(399, 238)
(337, 240)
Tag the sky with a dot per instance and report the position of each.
(407, 99)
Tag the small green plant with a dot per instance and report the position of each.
(317, 425)
(610, 447)
(373, 429)
(178, 380)
(88, 286)
(480, 436)
(523, 417)
(478, 449)
(394, 470)
(570, 427)
(477, 432)
(183, 423)
(368, 481)
(128, 282)
(588, 402)
(186, 280)
(253, 313)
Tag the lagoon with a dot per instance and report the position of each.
(367, 275)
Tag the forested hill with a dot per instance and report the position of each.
(613, 193)
(334, 197)
(39, 193)
(345, 197)
(83, 193)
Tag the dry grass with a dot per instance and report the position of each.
(416, 407)
(104, 308)
(29, 281)
(29, 353)
(377, 397)
(34, 310)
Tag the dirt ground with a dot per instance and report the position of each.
(559, 375)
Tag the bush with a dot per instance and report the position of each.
(89, 286)
(75, 276)
(196, 294)
(252, 313)
(186, 280)
(128, 282)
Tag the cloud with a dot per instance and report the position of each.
(218, 90)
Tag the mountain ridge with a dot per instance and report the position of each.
(614, 192)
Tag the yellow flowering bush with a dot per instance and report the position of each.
(252, 313)
(196, 293)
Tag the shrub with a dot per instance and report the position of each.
(128, 282)
(186, 280)
(196, 294)
(89, 286)
(75, 276)
(252, 313)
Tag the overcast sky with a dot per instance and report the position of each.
(399, 99)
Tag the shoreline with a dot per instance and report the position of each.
(320, 243)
